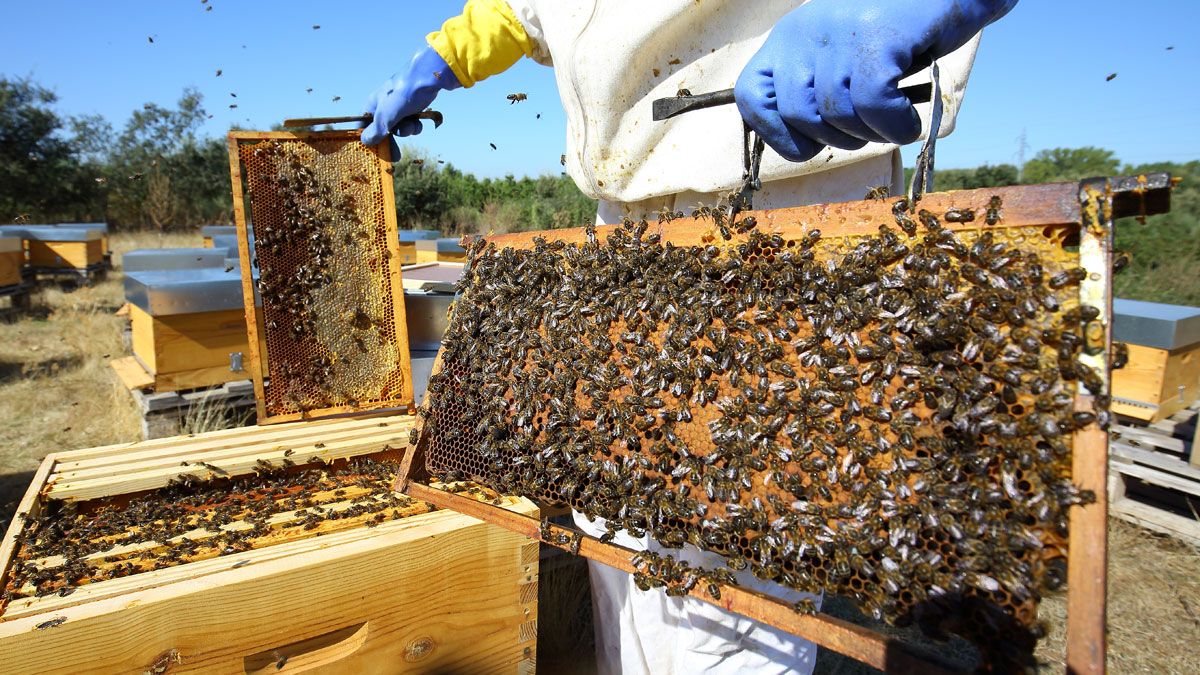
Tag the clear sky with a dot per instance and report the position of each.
(1041, 71)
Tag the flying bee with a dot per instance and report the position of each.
(516, 98)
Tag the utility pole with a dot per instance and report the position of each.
(1022, 147)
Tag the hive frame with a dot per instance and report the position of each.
(1092, 206)
(405, 397)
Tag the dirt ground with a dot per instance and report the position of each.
(57, 392)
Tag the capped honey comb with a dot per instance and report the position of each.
(884, 416)
(328, 273)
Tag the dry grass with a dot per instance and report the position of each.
(57, 393)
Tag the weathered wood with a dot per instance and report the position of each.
(1087, 564)
(846, 638)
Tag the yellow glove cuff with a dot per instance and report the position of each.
(484, 40)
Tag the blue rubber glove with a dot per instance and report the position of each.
(407, 93)
(828, 73)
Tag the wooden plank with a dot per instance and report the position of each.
(149, 479)
(253, 330)
(1144, 515)
(1050, 205)
(131, 373)
(444, 596)
(1181, 381)
(846, 638)
(141, 462)
(1134, 435)
(1157, 460)
(1157, 477)
(1194, 456)
(30, 505)
(1087, 564)
(115, 454)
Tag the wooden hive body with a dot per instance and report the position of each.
(188, 351)
(436, 591)
(1161, 381)
(66, 254)
(11, 263)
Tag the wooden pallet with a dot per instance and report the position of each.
(165, 413)
(432, 592)
(1154, 478)
(19, 294)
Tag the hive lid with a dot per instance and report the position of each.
(52, 233)
(1153, 324)
(226, 241)
(102, 227)
(432, 276)
(9, 242)
(409, 236)
(215, 230)
(172, 259)
(167, 292)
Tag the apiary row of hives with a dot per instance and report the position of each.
(76, 251)
(884, 413)
(257, 548)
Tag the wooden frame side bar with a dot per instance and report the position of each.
(863, 644)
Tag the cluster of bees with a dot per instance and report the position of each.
(72, 544)
(319, 318)
(885, 417)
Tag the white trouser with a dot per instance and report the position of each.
(648, 632)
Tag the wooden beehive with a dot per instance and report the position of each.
(1163, 374)
(408, 243)
(83, 253)
(431, 591)
(188, 351)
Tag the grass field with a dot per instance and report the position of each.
(57, 392)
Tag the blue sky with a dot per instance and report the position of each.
(1040, 70)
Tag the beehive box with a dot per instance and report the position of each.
(444, 249)
(59, 248)
(408, 243)
(188, 327)
(419, 591)
(102, 228)
(1163, 373)
(12, 260)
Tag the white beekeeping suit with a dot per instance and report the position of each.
(611, 60)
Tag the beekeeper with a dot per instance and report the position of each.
(817, 80)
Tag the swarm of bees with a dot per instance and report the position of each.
(883, 417)
(323, 260)
(73, 544)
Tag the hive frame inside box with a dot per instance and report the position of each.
(1090, 207)
(254, 321)
(253, 611)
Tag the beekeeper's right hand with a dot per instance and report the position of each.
(828, 73)
(486, 39)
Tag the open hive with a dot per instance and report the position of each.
(885, 414)
(327, 256)
(213, 553)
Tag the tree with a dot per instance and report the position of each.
(33, 152)
(1068, 164)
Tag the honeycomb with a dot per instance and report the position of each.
(883, 416)
(325, 251)
(73, 544)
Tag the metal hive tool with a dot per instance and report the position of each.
(880, 400)
(326, 252)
